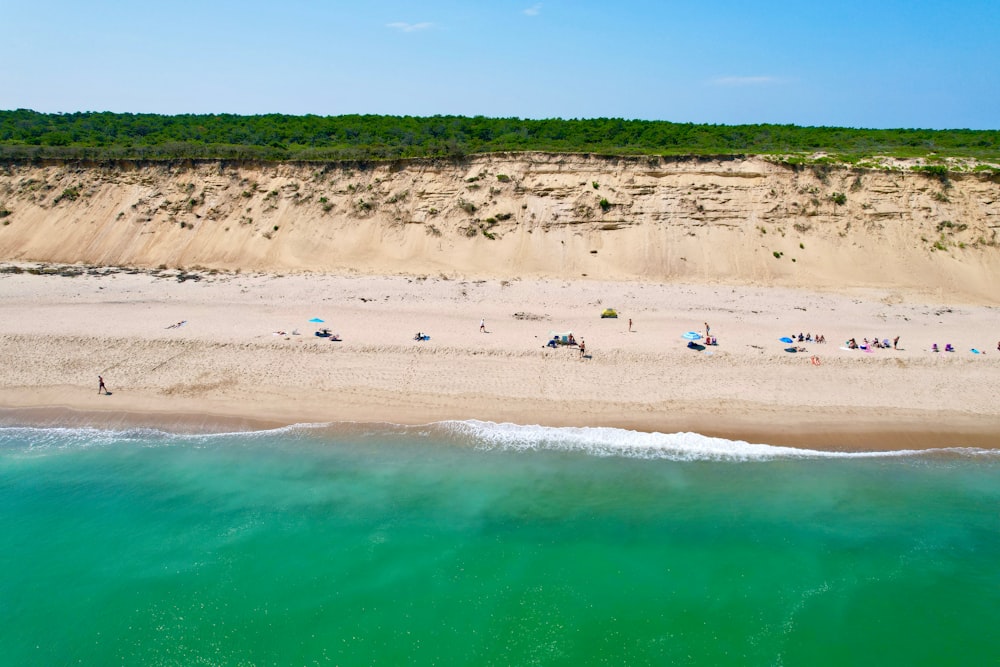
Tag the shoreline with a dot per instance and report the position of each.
(816, 431)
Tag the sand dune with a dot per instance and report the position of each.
(733, 221)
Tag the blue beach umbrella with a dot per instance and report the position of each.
(786, 339)
(317, 320)
(691, 335)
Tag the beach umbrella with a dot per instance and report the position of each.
(786, 339)
(317, 320)
(691, 335)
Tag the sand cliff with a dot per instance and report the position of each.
(741, 221)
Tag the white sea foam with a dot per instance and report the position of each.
(595, 441)
(34, 438)
(42, 438)
(602, 441)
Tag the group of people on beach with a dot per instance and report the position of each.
(873, 344)
(852, 343)
(808, 338)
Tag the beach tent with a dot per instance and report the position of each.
(609, 312)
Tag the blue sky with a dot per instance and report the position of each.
(884, 64)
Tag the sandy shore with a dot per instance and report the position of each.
(226, 367)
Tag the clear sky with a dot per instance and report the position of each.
(866, 63)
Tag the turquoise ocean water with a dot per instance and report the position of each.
(466, 543)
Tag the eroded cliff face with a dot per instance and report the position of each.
(569, 216)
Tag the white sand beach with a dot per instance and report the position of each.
(228, 362)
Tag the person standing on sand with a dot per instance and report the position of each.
(482, 325)
(707, 329)
(583, 348)
(895, 343)
(630, 324)
(100, 386)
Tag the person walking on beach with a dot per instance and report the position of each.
(100, 386)
(583, 348)
(630, 324)
(482, 325)
(895, 343)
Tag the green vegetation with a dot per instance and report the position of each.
(69, 193)
(938, 170)
(941, 197)
(103, 135)
(951, 226)
(398, 197)
(838, 198)
(605, 205)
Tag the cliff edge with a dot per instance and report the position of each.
(740, 220)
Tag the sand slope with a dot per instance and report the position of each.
(524, 215)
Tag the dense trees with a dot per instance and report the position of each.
(25, 133)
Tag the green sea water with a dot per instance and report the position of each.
(480, 544)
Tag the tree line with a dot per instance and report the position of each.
(104, 135)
